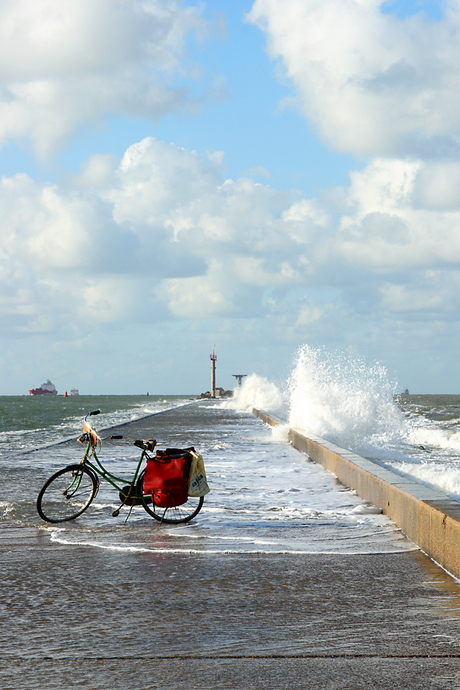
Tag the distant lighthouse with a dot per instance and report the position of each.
(213, 358)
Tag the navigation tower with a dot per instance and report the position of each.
(213, 358)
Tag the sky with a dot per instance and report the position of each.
(248, 177)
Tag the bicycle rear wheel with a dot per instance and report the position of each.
(183, 513)
(67, 494)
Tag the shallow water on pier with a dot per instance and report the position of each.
(265, 496)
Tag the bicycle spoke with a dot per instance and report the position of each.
(67, 494)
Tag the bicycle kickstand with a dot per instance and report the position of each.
(128, 496)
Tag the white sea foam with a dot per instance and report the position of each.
(433, 437)
(351, 403)
(258, 392)
(436, 475)
(6, 507)
(330, 395)
(342, 399)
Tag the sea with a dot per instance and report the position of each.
(265, 496)
(31, 421)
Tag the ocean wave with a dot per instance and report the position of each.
(352, 403)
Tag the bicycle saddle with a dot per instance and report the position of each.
(146, 445)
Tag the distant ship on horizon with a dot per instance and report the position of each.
(46, 388)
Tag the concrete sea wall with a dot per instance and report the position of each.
(426, 516)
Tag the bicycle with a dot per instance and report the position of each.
(70, 491)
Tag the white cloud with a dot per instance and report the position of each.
(149, 177)
(164, 234)
(113, 298)
(67, 63)
(208, 296)
(437, 186)
(52, 230)
(163, 229)
(96, 172)
(373, 84)
(392, 226)
(308, 315)
(402, 298)
(377, 85)
(432, 296)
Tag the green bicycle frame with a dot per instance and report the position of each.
(74, 485)
(99, 469)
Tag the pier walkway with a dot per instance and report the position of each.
(77, 615)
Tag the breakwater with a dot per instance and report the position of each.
(427, 517)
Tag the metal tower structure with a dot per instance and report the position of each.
(239, 377)
(213, 359)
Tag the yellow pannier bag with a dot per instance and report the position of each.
(197, 485)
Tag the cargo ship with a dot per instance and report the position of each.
(47, 388)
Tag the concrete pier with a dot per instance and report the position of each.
(427, 517)
(77, 610)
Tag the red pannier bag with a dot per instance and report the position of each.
(166, 477)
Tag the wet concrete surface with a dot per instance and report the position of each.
(78, 617)
(91, 619)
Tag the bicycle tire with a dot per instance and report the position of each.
(67, 494)
(171, 516)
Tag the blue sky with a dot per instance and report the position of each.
(249, 176)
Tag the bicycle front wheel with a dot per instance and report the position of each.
(183, 513)
(67, 494)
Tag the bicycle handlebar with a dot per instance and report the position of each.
(91, 431)
(91, 414)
